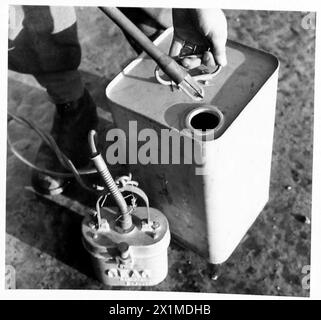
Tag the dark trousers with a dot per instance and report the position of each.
(43, 42)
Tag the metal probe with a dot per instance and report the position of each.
(175, 72)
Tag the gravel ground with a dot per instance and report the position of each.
(43, 240)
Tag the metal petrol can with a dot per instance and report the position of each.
(211, 202)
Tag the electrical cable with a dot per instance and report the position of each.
(62, 158)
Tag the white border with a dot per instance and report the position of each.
(307, 5)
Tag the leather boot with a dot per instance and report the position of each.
(72, 122)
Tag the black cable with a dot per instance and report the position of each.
(62, 158)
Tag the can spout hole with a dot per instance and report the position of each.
(205, 121)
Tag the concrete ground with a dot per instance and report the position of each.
(43, 239)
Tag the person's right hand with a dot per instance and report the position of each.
(202, 27)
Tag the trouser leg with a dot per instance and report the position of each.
(46, 46)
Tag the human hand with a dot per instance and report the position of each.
(201, 27)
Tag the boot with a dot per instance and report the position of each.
(72, 122)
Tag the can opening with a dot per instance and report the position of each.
(206, 120)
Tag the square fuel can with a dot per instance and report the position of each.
(210, 202)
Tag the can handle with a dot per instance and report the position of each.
(200, 74)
